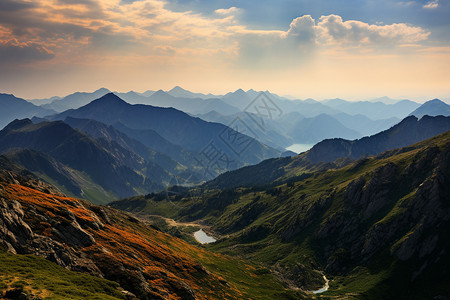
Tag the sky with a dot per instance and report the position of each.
(355, 49)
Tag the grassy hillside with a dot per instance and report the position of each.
(107, 243)
(377, 227)
(38, 277)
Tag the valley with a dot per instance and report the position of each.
(148, 201)
(224, 150)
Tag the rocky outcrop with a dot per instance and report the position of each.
(97, 240)
(403, 209)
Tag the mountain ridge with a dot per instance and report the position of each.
(378, 226)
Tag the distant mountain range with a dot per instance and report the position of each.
(177, 127)
(179, 92)
(17, 108)
(314, 129)
(374, 110)
(344, 119)
(364, 217)
(75, 100)
(109, 149)
(409, 131)
(432, 108)
(332, 153)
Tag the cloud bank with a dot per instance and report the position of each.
(134, 43)
(42, 30)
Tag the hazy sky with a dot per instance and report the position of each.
(352, 49)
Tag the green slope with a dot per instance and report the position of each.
(377, 227)
(38, 277)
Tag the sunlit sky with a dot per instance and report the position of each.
(354, 49)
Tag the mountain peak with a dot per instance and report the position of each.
(110, 98)
(177, 88)
(17, 124)
(102, 90)
(160, 94)
(433, 107)
(435, 101)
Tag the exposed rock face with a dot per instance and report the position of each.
(82, 237)
(404, 210)
(15, 232)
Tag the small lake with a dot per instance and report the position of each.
(203, 238)
(299, 148)
(324, 288)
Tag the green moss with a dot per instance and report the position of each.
(43, 278)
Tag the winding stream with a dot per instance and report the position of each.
(203, 238)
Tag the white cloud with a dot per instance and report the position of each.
(302, 29)
(227, 11)
(334, 31)
(65, 32)
(431, 4)
(406, 3)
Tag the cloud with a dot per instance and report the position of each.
(406, 3)
(227, 11)
(334, 31)
(84, 31)
(12, 52)
(302, 30)
(431, 4)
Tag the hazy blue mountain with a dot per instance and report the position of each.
(387, 100)
(49, 168)
(190, 105)
(251, 93)
(334, 153)
(363, 124)
(147, 93)
(100, 170)
(179, 92)
(294, 128)
(268, 134)
(153, 140)
(133, 97)
(17, 108)
(75, 100)
(153, 148)
(373, 110)
(409, 131)
(238, 99)
(43, 101)
(107, 134)
(434, 107)
(193, 134)
(308, 108)
(315, 129)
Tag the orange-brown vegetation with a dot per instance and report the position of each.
(127, 250)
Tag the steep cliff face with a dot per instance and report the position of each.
(36, 219)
